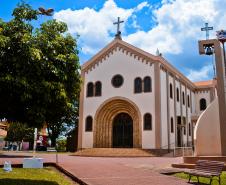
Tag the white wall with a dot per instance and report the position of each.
(199, 95)
(129, 68)
(178, 108)
(207, 132)
(193, 103)
(164, 131)
(172, 114)
(189, 138)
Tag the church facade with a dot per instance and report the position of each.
(133, 99)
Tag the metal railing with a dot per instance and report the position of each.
(183, 151)
(179, 151)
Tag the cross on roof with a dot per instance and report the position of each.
(118, 26)
(206, 29)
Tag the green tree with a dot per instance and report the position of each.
(62, 125)
(39, 71)
(61, 145)
(18, 132)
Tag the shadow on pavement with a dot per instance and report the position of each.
(26, 182)
(14, 156)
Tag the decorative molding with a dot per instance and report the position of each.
(140, 55)
(103, 121)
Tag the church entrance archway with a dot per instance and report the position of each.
(113, 114)
(122, 131)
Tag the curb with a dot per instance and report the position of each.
(58, 167)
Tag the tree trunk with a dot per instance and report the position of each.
(53, 141)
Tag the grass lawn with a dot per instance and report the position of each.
(203, 179)
(45, 176)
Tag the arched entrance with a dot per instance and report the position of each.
(108, 113)
(122, 131)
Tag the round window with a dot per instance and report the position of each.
(117, 81)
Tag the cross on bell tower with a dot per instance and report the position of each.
(118, 34)
(207, 29)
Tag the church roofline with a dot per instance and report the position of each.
(137, 52)
(206, 84)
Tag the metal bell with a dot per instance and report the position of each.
(209, 51)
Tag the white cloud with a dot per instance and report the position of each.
(142, 5)
(202, 74)
(177, 22)
(95, 27)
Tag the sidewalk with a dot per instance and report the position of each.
(112, 171)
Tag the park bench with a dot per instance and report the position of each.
(209, 169)
(51, 149)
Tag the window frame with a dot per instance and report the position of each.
(171, 125)
(100, 86)
(87, 127)
(171, 90)
(89, 93)
(178, 95)
(147, 84)
(185, 130)
(135, 84)
(201, 105)
(189, 129)
(145, 127)
(183, 98)
(188, 99)
(113, 81)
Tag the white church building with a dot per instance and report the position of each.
(133, 99)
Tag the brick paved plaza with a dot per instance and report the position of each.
(111, 171)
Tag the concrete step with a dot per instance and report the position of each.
(115, 152)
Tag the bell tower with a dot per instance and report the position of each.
(214, 46)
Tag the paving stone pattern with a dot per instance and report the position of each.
(111, 171)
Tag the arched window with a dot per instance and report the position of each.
(137, 85)
(147, 121)
(90, 89)
(147, 84)
(171, 125)
(98, 87)
(171, 91)
(178, 96)
(89, 124)
(202, 104)
(185, 130)
(183, 98)
(188, 101)
(189, 129)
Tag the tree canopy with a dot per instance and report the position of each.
(39, 70)
(18, 132)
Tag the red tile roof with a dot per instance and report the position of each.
(207, 83)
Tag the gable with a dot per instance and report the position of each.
(121, 46)
(138, 54)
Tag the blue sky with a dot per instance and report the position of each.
(172, 26)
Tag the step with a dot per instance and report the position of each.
(114, 152)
